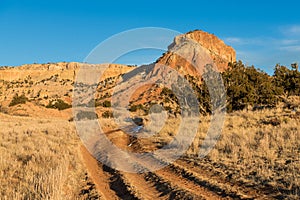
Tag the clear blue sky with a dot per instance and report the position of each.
(42, 31)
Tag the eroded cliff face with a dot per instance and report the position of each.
(43, 83)
(220, 53)
(64, 70)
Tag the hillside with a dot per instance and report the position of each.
(186, 58)
(43, 84)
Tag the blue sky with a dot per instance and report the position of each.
(263, 33)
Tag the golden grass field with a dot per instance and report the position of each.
(256, 157)
(41, 159)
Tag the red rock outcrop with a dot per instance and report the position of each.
(220, 53)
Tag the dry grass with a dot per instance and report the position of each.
(40, 159)
(258, 148)
(255, 152)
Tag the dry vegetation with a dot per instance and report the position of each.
(257, 156)
(260, 149)
(40, 159)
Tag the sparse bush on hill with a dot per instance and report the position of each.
(58, 104)
(134, 108)
(106, 104)
(89, 115)
(204, 98)
(18, 100)
(287, 80)
(248, 86)
(168, 94)
(107, 114)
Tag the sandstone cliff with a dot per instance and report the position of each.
(44, 83)
(220, 53)
(64, 70)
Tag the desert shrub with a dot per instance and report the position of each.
(106, 104)
(18, 100)
(107, 114)
(98, 103)
(247, 86)
(86, 115)
(203, 98)
(58, 104)
(168, 95)
(134, 108)
(166, 91)
(287, 80)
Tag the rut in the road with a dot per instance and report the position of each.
(193, 188)
(168, 190)
(118, 184)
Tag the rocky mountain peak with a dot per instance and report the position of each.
(220, 53)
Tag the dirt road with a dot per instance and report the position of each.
(183, 179)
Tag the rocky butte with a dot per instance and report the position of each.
(220, 53)
(187, 56)
(42, 83)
